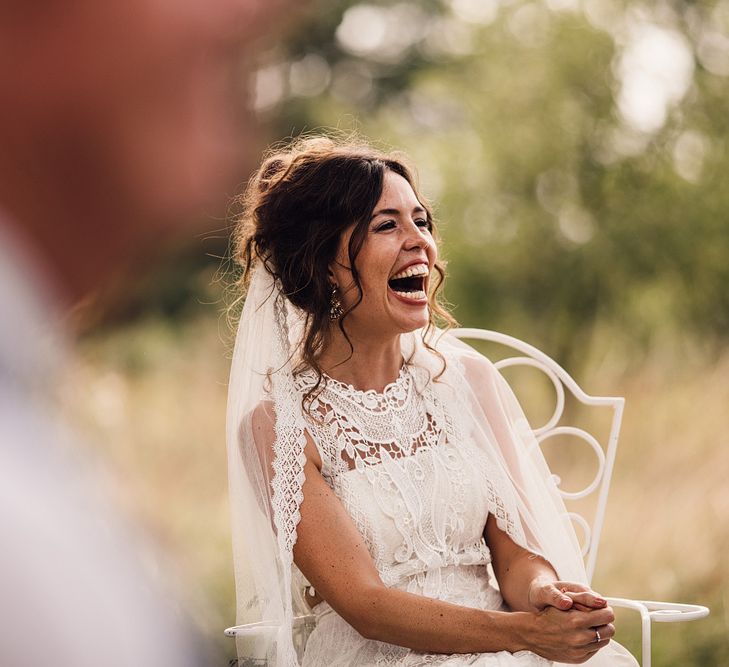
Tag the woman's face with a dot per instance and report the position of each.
(394, 265)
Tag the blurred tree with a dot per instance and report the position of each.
(575, 154)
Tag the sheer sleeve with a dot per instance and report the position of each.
(527, 504)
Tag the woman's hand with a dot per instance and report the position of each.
(563, 595)
(570, 636)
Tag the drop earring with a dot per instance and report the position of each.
(335, 305)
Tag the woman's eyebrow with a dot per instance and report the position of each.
(395, 211)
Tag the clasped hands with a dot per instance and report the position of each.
(572, 621)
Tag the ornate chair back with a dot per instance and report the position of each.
(588, 527)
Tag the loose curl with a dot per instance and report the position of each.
(294, 211)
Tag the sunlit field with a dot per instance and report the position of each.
(152, 400)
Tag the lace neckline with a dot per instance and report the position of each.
(395, 395)
(400, 382)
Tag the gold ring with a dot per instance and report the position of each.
(597, 636)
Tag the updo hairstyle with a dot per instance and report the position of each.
(294, 211)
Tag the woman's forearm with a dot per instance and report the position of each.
(428, 625)
(433, 626)
(517, 576)
(515, 567)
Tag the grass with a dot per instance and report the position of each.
(151, 396)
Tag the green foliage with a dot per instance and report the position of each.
(557, 212)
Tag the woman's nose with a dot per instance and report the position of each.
(414, 237)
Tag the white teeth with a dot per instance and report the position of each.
(415, 270)
(417, 294)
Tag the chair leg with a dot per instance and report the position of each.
(645, 622)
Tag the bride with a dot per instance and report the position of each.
(380, 470)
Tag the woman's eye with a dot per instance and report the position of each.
(391, 224)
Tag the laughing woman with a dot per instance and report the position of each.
(377, 465)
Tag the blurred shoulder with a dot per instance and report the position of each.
(263, 421)
(263, 416)
(465, 360)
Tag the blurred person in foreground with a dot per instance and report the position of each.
(120, 121)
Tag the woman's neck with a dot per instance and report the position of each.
(373, 365)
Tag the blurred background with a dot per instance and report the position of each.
(576, 154)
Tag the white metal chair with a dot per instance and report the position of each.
(664, 612)
(598, 487)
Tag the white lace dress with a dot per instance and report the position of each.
(419, 495)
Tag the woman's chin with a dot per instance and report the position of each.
(409, 314)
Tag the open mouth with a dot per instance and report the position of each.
(411, 282)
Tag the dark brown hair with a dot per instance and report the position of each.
(296, 208)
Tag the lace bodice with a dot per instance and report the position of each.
(405, 474)
(419, 495)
